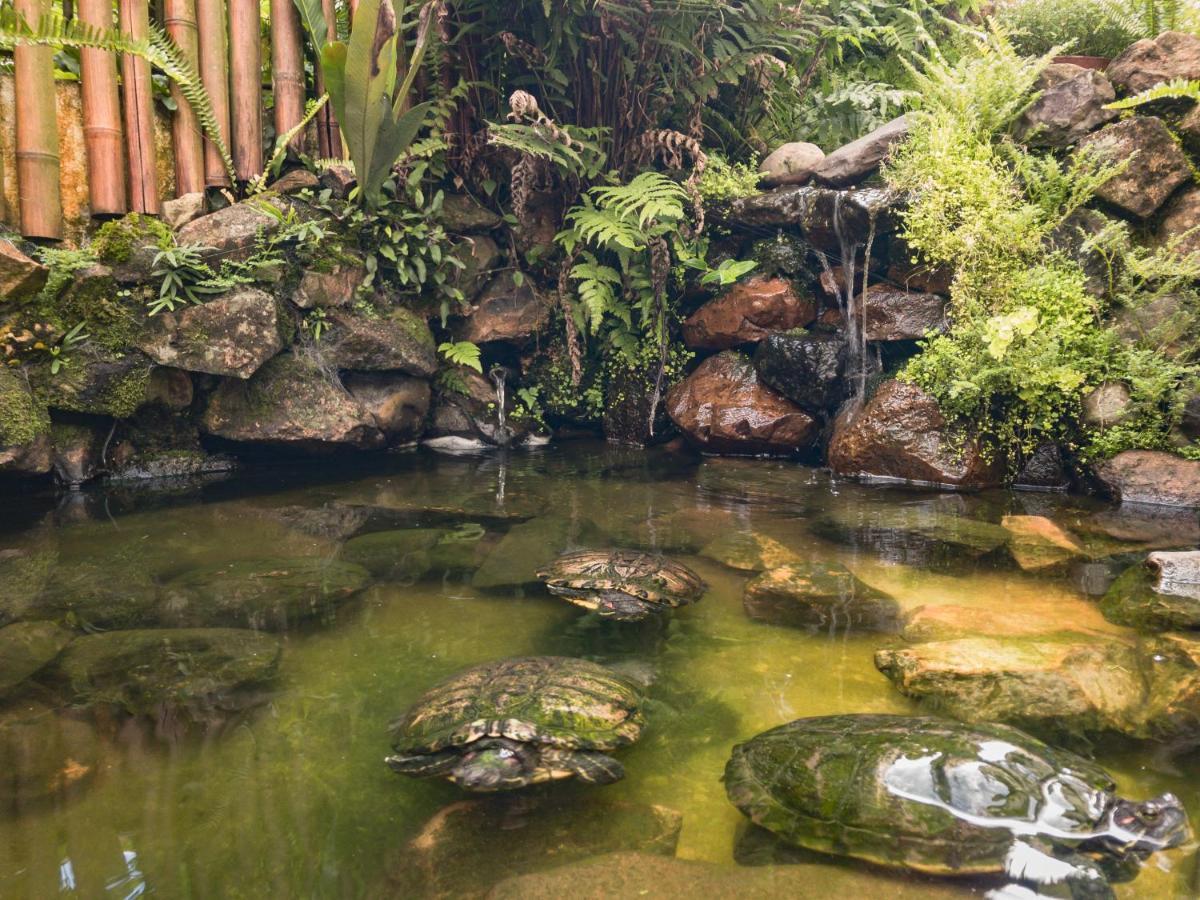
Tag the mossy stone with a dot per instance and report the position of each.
(1133, 601)
(22, 419)
(402, 555)
(116, 241)
(88, 595)
(42, 755)
(27, 647)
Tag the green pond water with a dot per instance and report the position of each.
(281, 791)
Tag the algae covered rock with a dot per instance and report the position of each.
(27, 647)
(456, 854)
(1039, 543)
(264, 594)
(97, 382)
(42, 755)
(402, 555)
(749, 551)
(532, 545)
(819, 595)
(398, 341)
(94, 595)
(190, 670)
(24, 429)
(1139, 600)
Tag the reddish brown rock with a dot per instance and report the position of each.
(747, 313)
(1071, 105)
(722, 407)
(20, 276)
(229, 234)
(507, 311)
(399, 403)
(1152, 477)
(900, 433)
(1148, 63)
(1157, 166)
(326, 290)
(897, 315)
(1180, 226)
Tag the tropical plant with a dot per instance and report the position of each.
(462, 353)
(370, 84)
(157, 48)
(185, 277)
(1084, 27)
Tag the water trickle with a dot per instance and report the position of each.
(498, 374)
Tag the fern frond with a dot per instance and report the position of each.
(1179, 89)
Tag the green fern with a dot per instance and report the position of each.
(157, 49)
(463, 353)
(258, 183)
(597, 284)
(1179, 89)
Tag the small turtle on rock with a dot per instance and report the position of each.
(626, 585)
(519, 722)
(949, 799)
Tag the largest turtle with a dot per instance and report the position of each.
(518, 722)
(947, 799)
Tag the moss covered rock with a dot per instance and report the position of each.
(130, 244)
(96, 382)
(398, 341)
(402, 555)
(42, 755)
(25, 648)
(24, 428)
(1137, 601)
(819, 595)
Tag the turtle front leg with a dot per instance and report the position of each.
(1043, 871)
(424, 765)
(590, 766)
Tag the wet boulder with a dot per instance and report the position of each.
(507, 311)
(231, 233)
(748, 551)
(747, 313)
(854, 162)
(1044, 470)
(25, 446)
(900, 433)
(898, 315)
(398, 341)
(26, 648)
(1180, 225)
(1051, 619)
(456, 856)
(399, 403)
(291, 402)
(1071, 105)
(184, 671)
(819, 595)
(97, 596)
(77, 452)
(808, 368)
(20, 276)
(1150, 62)
(515, 559)
(43, 755)
(232, 335)
(467, 413)
(1151, 477)
(1040, 543)
(262, 594)
(793, 163)
(331, 287)
(1157, 166)
(1142, 599)
(831, 220)
(722, 407)
(1070, 686)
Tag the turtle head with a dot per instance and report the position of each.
(1151, 825)
(495, 765)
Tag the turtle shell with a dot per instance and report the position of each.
(645, 576)
(553, 700)
(915, 793)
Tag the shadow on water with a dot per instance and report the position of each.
(196, 681)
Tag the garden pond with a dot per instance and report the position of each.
(225, 660)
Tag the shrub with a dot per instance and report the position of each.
(1083, 27)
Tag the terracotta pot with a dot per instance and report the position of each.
(1099, 63)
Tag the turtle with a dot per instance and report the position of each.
(519, 722)
(626, 585)
(944, 798)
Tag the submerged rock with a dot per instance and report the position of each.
(403, 555)
(95, 596)
(456, 854)
(1156, 165)
(747, 313)
(916, 535)
(26, 648)
(1039, 543)
(749, 551)
(819, 595)
(530, 546)
(1040, 619)
(900, 434)
(1171, 666)
(291, 402)
(1140, 600)
(42, 755)
(722, 407)
(858, 159)
(1071, 105)
(196, 671)
(266, 594)
(1152, 477)
(808, 368)
(232, 335)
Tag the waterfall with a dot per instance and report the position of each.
(853, 305)
(498, 374)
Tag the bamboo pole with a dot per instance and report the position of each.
(245, 80)
(37, 133)
(102, 117)
(188, 139)
(287, 69)
(329, 137)
(214, 74)
(137, 93)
